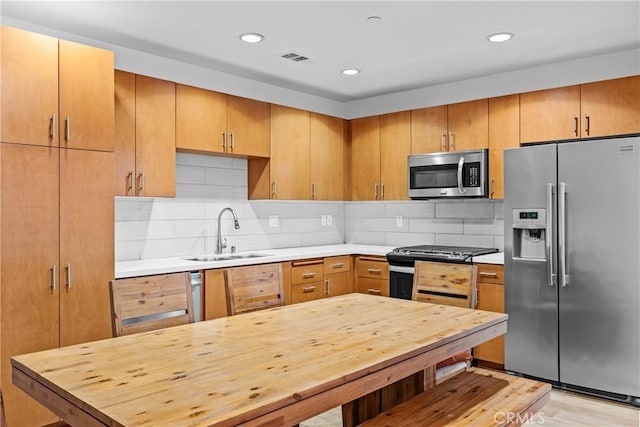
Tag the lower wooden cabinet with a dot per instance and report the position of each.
(372, 275)
(490, 285)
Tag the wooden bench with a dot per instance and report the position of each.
(476, 397)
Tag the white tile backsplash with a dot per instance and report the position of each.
(187, 225)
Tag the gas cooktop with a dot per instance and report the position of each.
(436, 253)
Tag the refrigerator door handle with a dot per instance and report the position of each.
(562, 238)
(548, 247)
(460, 183)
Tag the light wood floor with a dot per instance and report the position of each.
(565, 409)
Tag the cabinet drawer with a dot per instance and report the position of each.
(375, 268)
(490, 273)
(307, 292)
(307, 271)
(373, 286)
(337, 264)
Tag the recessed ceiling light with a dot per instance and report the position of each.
(252, 37)
(350, 72)
(500, 37)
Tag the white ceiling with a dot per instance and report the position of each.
(416, 43)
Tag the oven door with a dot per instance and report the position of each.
(455, 174)
(400, 281)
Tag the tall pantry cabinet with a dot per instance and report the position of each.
(56, 202)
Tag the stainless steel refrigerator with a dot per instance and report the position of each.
(572, 264)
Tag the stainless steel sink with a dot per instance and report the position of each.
(225, 257)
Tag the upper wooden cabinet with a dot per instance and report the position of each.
(379, 149)
(55, 92)
(145, 142)
(208, 121)
(326, 157)
(504, 132)
(454, 127)
(610, 107)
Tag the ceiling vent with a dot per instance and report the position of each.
(294, 57)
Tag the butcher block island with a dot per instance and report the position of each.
(276, 367)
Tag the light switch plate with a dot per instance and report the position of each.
(273, 220)
(323, 220)
(399, 221)
(329, 219)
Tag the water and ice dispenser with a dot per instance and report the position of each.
(529, 234)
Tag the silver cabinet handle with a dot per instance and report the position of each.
(313, 191)
(232, 141)
(382, 191)
(337, 265)
(562, 242)
(374, 270)
(53, 126)
(67, 122)
(308, 289)
(327, 287)
(452, 144)
(130, 180)
(53, 277)
(485, 274)
(308, 275)
(491, 191)
(141, 181)
(224, 141)
(68, 276)
(375, 191)
(460, 183)
(274, 189)
(374, 291)
(443, 141)
(575, 125)
(549, 252)
(587, 124)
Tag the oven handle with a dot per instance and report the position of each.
(401, 269)
(460, 183)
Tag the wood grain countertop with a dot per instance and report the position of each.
(282, 365)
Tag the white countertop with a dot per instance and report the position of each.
(495, 258)
(146, 267)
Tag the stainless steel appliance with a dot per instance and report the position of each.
(449, 174)
(402, 260)
(572, 265)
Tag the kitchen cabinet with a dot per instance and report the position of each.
(56, 262)
(379, 149)
(326, 157)
(604, 108)
(338, 278)
(490, 297)
(504, 132)
(307, 280)
(56, 92)
(213, 122)
(372, 275)
(145, 136)
(214, 301)
(453, 127)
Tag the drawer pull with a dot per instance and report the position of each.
(308, 289)
(308, 275)
(374, 291)
(374, 270)
(482, 273)
(337, 265)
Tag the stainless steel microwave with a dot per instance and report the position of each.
(449, 174)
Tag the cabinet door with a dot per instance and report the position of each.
(550, 115)
(395, 146)
(326, 138)
(338, 283)
(429, 130)
(248, 126)
(289, 153)
(29, 249)
(504, 132)
(468, 125)
(86, 97)
(365, 158)
(125, 133)
(215, 294)
(86, 245)
(491, 298)
(29, 88)
(201, 119)
(611, 107)
(155, 137)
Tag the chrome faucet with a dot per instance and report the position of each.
(221, 245)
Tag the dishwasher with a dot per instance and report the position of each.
(196, 290)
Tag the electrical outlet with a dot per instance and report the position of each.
(399, 221)
(273, 220)
(329, 219)
(323, 220)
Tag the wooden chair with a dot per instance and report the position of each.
(143, 304)
(252, 288)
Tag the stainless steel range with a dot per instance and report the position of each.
(402, 260)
